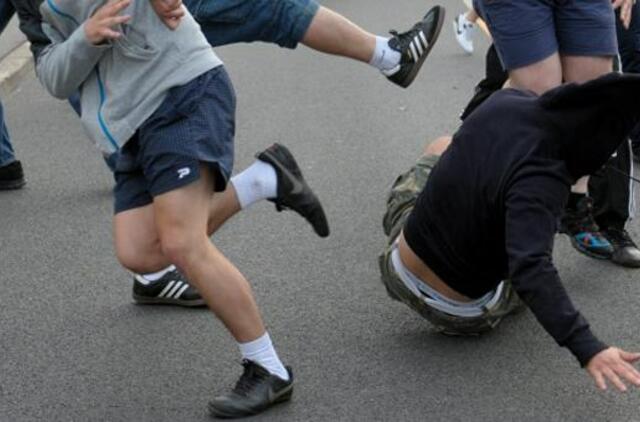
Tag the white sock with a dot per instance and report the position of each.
(151, 277)
(257, 182)
(384, 57)
(261, 351)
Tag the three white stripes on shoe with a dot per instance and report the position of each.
(418, 46)
(173, 290)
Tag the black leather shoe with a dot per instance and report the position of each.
(625, 251)
(256, 391)
(414, 46)
(12, 176)
(172, 289)
(293, 191)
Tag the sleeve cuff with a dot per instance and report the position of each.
(584, 345)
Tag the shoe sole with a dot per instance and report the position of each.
(625, 264)
(418, 65)
(577, 246)
(12, 185)
(322, 228)
(283, 397)
(145, 300)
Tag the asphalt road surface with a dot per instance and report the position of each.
(73, 346)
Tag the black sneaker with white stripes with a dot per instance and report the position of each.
(171, 289)
(414, 46)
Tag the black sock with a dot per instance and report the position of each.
(574, 198)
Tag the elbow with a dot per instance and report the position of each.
(55, 86)
(58, 91)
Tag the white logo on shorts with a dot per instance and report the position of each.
(184, 172)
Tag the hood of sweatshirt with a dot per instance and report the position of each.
(588, 122)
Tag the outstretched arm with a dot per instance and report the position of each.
(533, 206)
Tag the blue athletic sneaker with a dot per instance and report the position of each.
(578, 223)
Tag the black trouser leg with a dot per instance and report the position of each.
(611, 190)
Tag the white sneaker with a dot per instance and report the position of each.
(464, 30)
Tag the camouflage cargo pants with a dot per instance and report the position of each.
(400, 203)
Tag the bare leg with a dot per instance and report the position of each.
(137, 242)
(332, 33)
(582, 69)
(538, 77)
(438, 146)
(181, 218)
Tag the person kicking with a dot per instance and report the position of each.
(471, 227)
(286, 23)
(164, 100)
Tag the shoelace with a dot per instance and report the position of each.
(405, 38)
(249, 379)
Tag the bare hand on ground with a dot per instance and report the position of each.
(616, 366)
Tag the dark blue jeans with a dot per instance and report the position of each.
(7, 155)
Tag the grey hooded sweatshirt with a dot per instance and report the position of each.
(124, 81)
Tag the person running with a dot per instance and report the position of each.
(471, 227)
(170, 110)
(282, 22)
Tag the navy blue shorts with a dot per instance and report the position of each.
(283, 22)
(528, 31)
(195, 124)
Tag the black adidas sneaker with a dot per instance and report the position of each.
(414, 46)
(171, 289)
(293, 191)
(256, 391)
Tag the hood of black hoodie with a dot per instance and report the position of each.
(588, 122)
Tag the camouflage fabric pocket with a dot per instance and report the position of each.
(404, 193)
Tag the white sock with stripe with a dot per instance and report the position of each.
(257, 182)
(384, 57)
(151, 277)
(261, 351)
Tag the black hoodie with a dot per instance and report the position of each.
(492, 203)
(31, 24)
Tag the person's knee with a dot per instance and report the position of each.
(438, 147)
(133, 256)
(179, 247)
